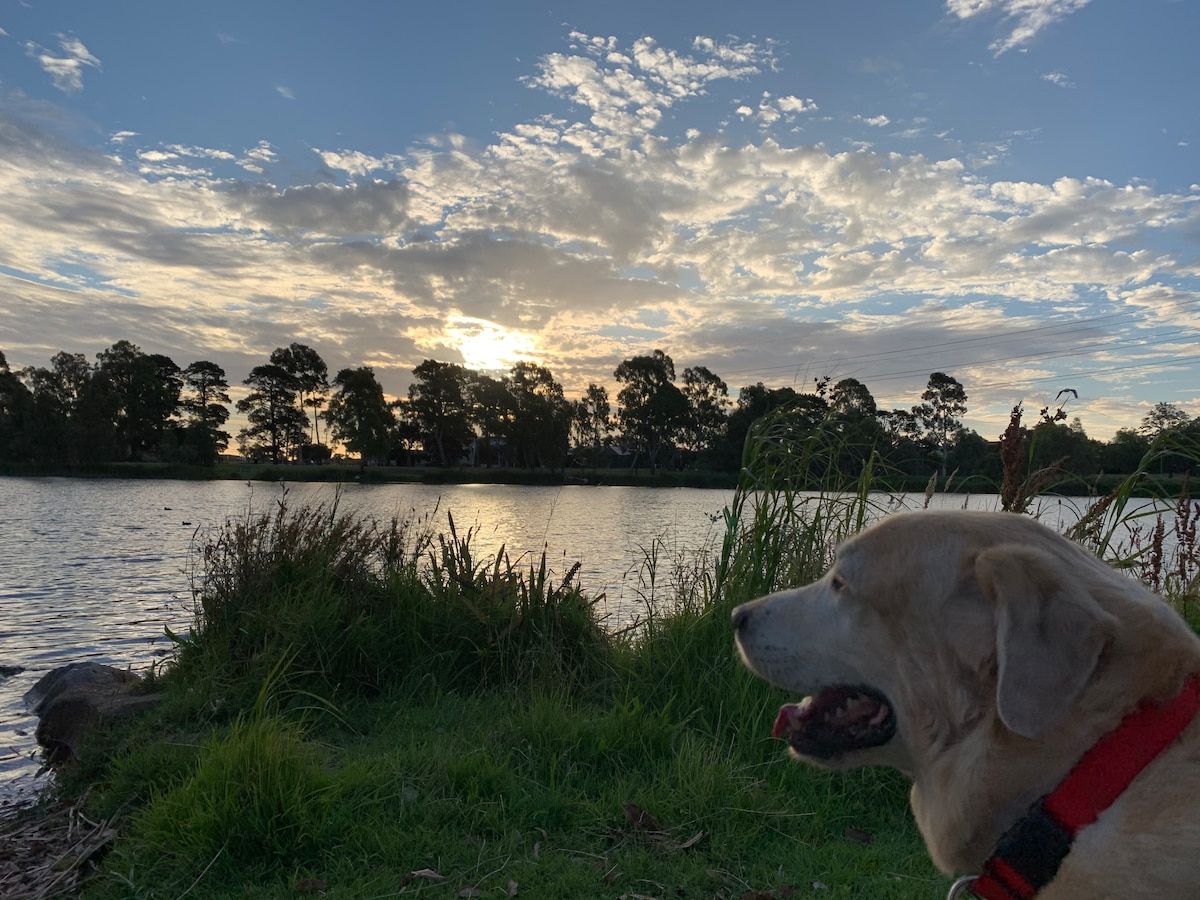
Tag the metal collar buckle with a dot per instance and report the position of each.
(961, 888)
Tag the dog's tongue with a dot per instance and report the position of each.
(789, 719)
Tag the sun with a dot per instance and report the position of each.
(486, 346)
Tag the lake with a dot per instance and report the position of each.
(95, 569)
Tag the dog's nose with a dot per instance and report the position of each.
(740, 615)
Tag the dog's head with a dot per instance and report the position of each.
(927, 628)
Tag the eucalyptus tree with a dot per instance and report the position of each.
(73, 414)
(854, 418)
(147, 387)
(358, 414)
(540, 430)
(492, 411)
(206, 411)
(16, 407)
(1162, 418)
(277, 424)
(945, 400)
(311, 373)
(590, 419)
(439, 406)
(652, 407)
(707, 398)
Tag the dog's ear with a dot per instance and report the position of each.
(1049, 635)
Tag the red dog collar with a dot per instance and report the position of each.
(1029, 853)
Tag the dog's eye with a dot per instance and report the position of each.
(837, 582)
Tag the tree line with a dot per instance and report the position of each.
(129, 405)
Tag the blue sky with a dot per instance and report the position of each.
(1005, 190)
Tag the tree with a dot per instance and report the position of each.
(1065, 446)
(850, 399)
(73, 418)
(540, 429)
(1163, 417)
(276, 423)
(945, 400)
(590, 419)
(206, 411)
(16, 407)
(305, 365)
(1124, 453)
(439, 405)
(707, 398)
(147, 387)
(492, 410)
(754, 402)
(358, 414)
(854, 416)
(652, 407)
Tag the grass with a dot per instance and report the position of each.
(367, 709)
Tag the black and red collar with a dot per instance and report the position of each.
(1029, 853)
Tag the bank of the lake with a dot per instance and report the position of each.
(351, 717)
(1149, 484)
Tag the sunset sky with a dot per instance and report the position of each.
(1004, 190)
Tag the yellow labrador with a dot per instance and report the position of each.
(1042, 703)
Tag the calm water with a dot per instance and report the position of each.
(94, 569)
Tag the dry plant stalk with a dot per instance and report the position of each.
(49, 852)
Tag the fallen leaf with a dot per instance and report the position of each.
(537, 852)
(512, 888)
(310, 886)
(469, 892)
(428, 875)
(692, 841)
(820, 886)
(610, 876)
(640, 818)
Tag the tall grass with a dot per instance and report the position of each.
(489, 733)
(325, 603)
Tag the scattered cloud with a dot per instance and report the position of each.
(257, 158)
(285, 92)
(1059, 79)
(627, 90)
(65, 71)
(352, 162)
(589, 242)
(1029, 17)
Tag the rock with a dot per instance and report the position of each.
(71, 701)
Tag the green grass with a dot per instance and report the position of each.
(363, 709)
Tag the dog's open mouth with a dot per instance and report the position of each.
(837, 720)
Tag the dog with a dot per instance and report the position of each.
(1021, 683)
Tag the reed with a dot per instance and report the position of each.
(363, 710)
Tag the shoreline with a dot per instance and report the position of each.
(1165, 486)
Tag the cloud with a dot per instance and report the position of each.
(591, 243)
(352, 162)
(1031, 17)
(284, 92)
(874, 121)
(256, 159)
(65, 71)
(1058, 79)
(628, 90)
